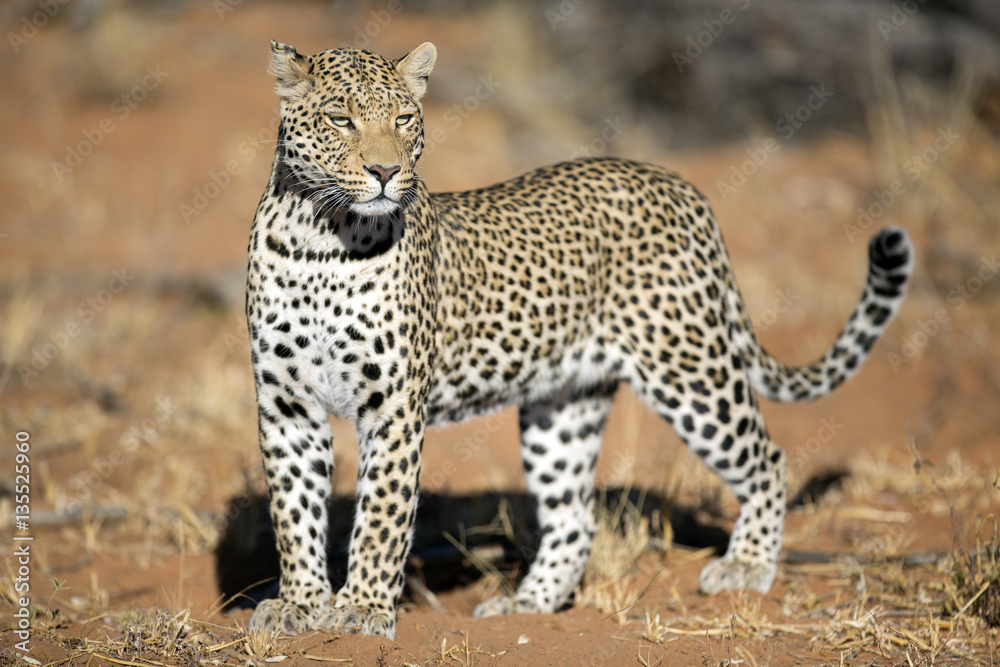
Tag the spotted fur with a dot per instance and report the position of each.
(374, 301)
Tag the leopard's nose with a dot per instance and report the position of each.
(383, 174)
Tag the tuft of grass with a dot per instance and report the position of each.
(655, 630)
(157, 630)
(973, 584)
(261, 643)
(622, 536)
(19, 324)
(613, 597)
(150, 636)
(975, 576)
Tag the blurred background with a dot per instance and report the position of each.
(137, 138)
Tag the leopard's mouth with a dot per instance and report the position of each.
(378, 205)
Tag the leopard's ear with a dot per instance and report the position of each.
(291, 70)
(416, 66)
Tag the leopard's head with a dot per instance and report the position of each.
(353, 126)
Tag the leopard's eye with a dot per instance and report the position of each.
(339, 121)
(404, 119)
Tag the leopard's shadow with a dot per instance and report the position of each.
(500, 528)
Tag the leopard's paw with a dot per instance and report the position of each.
(734, 574)
(353, 620)
(504, 606)
(277, 615)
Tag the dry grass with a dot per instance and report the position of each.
(853, 627)
(151, 636)
(928, 608)
(894, 610)
(974, 581)
(905, 120)
(622, 537)
(262, 643)
(655, 631)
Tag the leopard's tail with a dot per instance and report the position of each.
(890, 256)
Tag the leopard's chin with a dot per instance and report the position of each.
(375, 207)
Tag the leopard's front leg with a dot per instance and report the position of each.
(296, 448)
(391, 433)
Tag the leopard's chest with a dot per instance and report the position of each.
(347, 322)
(363, 346)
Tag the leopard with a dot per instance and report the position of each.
(372, 301)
